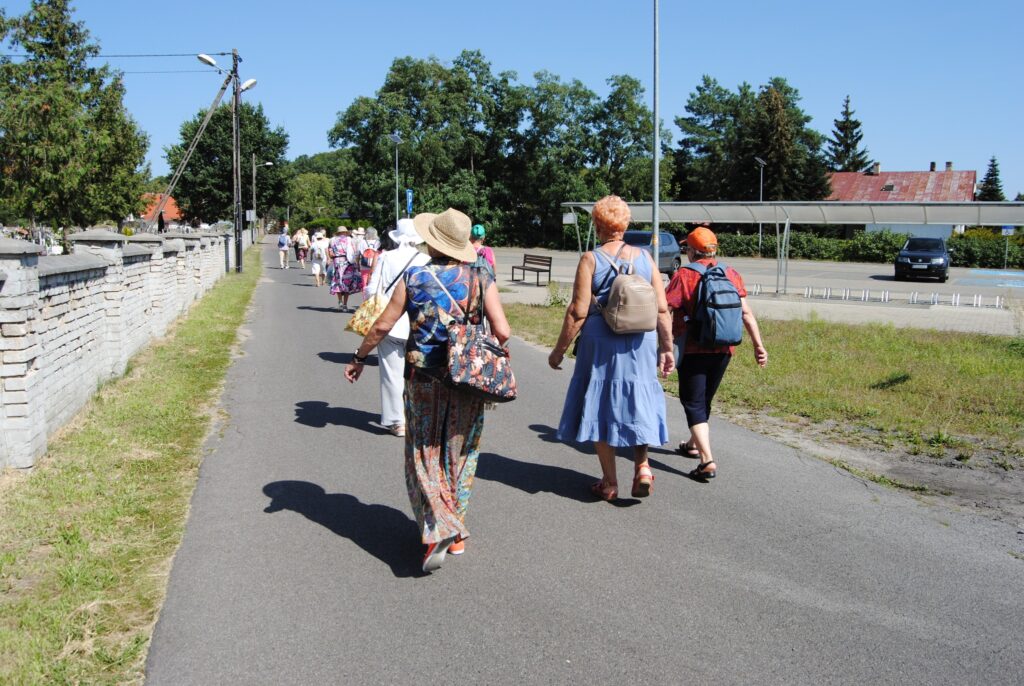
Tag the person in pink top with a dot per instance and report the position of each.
(476, 239)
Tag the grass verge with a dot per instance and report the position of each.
(936, 393)
(86, 539)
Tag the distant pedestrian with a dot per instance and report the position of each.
(301, 240)
(702, 367)
(443, 424)
(484, 252)
(369, 249)
(345, 279)
(318, 258)
(283, 243)
(614, 399)
(390, 265)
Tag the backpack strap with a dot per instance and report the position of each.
(613, 263)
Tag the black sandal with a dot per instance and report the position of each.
(687, 450)
(702, 472)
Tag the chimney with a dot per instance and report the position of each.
(876, 168)
(949, 166)
(932, 167)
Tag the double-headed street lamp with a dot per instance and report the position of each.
(265, 164)
(236, 156)
(397, 140)
(760, 198)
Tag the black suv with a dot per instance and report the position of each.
(923, 257)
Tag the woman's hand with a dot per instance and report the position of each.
(760, 355)
(666, 363)
(352, 371)
(555, 359)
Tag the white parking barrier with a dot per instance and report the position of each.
(935, 299)
(807, 291)
(885, 296)
(826, 294)
(913, 297)
(864, 295)
(846, 294)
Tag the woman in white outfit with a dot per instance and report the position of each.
(389, 266)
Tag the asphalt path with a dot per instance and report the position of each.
(300, 561)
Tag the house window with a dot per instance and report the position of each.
(887, 187)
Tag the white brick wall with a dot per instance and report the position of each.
(70, 322)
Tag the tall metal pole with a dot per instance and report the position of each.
(252, 227)
(760, 198)
(655, 243)
(236, 104)
(397, 202)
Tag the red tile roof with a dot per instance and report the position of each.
(937, 186)
(171, 211)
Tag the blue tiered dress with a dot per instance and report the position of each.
(614, 395)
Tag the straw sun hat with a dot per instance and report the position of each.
(447, 233)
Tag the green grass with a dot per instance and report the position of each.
(930, 391)
(86, 539)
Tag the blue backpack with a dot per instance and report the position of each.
(717, 317)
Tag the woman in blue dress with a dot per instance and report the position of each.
(614, 398)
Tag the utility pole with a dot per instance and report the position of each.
(655, 242)
(236, 105)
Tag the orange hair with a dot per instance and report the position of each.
(611, 213)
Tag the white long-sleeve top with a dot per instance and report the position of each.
(390, 264)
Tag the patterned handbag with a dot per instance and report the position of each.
(371, 308)
(477, 363)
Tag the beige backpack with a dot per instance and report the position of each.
(632, 305)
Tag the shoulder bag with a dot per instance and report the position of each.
(370, 310)
(477, 363)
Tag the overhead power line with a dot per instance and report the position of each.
(172, 54)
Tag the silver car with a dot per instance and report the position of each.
(669, 257)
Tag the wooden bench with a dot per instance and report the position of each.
(533, 263)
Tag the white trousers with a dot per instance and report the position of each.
(391, 356)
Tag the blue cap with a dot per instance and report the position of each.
(478, 231)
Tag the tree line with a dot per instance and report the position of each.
(508, 153)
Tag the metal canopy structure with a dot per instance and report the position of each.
(970, 213)
(829, 212)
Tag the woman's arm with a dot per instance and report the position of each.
(576, 312)
(496, 313)
(750, 323)
(385, 322)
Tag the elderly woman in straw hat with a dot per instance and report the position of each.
(614, 398)
(388, 270)
(443, 425)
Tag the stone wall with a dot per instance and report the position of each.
(70, 322)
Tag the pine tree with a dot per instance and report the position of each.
(991, 188)
(844, 153)
(71, 154)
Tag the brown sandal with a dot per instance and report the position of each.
(643, 482)
(604, 491)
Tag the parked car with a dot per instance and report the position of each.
(920, 257)
(669, 259)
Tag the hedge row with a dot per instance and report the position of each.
(968, 251)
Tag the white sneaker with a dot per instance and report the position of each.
(397, 429)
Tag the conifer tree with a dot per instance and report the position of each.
(991, 188)
(71, 153)
(844, 151)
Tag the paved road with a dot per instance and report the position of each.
(300, 560)
(856, 277)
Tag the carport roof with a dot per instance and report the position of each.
(970, 213)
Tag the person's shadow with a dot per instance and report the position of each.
(548, 435)
(318, 414)
(318, 309)
(382, 531)
(534, 478)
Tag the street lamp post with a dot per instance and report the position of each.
(265, 164)
(760, 198)
(397, 140)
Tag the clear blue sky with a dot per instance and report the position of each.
(932, 80)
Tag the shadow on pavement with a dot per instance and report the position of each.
(531, 477)
(318, 414)
(384, 532)
(318, 309)
(345, 358)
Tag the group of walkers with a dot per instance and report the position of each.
(614, 399)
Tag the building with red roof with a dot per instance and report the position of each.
(171, 211)
(875, 185)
